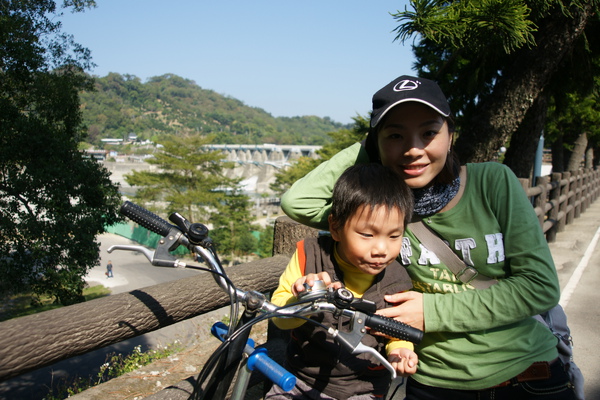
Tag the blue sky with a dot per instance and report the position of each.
(323, 58)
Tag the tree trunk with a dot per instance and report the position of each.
(287, 233)
(558, 156)
(520, 156)
(595, 156)
(520, 84)
(589, 157)
(578, 153)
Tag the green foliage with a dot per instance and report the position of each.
(189, 177)
(465, 45)
(578, 115)
(119, 364)
(23, 304)
(265, 242)
(286, 177)
(169, 104)
(232, 226)
(53, 201)
(469, 24)
(575, 103)
(345, 137)
(339, 140)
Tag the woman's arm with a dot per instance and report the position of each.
(308, 201)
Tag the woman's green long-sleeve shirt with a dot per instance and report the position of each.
(474, 338)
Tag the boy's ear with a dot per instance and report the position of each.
(333, 228)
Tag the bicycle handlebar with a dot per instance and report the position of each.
(154, 223)
(258, 359)
(146, 218)
(388, 326)
(393, 328)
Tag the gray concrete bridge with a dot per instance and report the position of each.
(274, 155)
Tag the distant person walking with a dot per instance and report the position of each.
(109, 269)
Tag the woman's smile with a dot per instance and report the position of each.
(414, 169)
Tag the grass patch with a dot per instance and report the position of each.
(24, 304)
(115, 366)
(95, 292)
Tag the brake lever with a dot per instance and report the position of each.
(146, 252)
(345, 300)
(342, 301)
(159, 257)
(352, 340)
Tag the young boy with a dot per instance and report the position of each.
(370, 209)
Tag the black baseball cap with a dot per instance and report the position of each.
(408, 88)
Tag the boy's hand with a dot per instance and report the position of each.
(404, 361)
(310, 279)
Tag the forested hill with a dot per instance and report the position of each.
(123, 104)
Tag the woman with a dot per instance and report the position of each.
(477, 343)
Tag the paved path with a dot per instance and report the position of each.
(576, 253)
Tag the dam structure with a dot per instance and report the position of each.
(256, 165)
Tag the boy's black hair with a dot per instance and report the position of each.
(373, 185)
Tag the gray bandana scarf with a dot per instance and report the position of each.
(432, 199)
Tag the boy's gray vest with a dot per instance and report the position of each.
(315, 357)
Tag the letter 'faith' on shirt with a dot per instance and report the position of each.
(494, 244)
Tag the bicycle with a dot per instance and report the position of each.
(229, 368)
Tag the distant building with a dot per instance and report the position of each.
(97, 154)
(112, 141)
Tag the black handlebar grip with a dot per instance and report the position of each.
(393, 328)
(146, 218)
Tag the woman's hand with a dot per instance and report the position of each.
(409, 309)
(310, 279)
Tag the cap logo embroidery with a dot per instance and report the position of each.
(406, 85)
